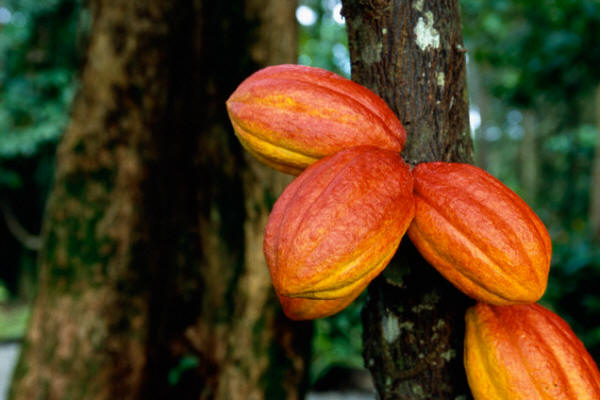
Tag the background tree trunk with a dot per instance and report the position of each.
(529, 159)
(153, 283)
(411, 54)
(480, 97)
(594, 211)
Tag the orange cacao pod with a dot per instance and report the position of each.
(337, 225)
(526, 352)
(479, 234)
(289, 116)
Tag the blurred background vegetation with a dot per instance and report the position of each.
(534, 87)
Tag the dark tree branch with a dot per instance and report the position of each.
(28, 240)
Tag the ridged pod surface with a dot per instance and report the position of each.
(526, 352)
(337, 225)
(289, 116)
(479, 234)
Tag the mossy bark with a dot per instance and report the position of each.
(153, 283)
(411, 53)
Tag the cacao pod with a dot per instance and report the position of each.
(479, 234)
(289, 116)
(337, 225)
(526, 352)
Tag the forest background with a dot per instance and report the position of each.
(534, 88)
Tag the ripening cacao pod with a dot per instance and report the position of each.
(289, 116)
(479, 234)
(526, 352)
(337, 225)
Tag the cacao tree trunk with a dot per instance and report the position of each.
(153, 283)
(412, 55)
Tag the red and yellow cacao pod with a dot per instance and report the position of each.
(337, 225)
(289, 116)
(479, 234)
(526, 352)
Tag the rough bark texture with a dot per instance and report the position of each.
(247, 348)
(411, 54)
(153, 282)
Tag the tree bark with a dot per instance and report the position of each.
(412, 55)
(153, 283)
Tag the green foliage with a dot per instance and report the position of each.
(41, 50)
(13, 321)
(338, 340)
(39, 57)
(186, 363)
(541, 58)
(323, 43)
(546, 48)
